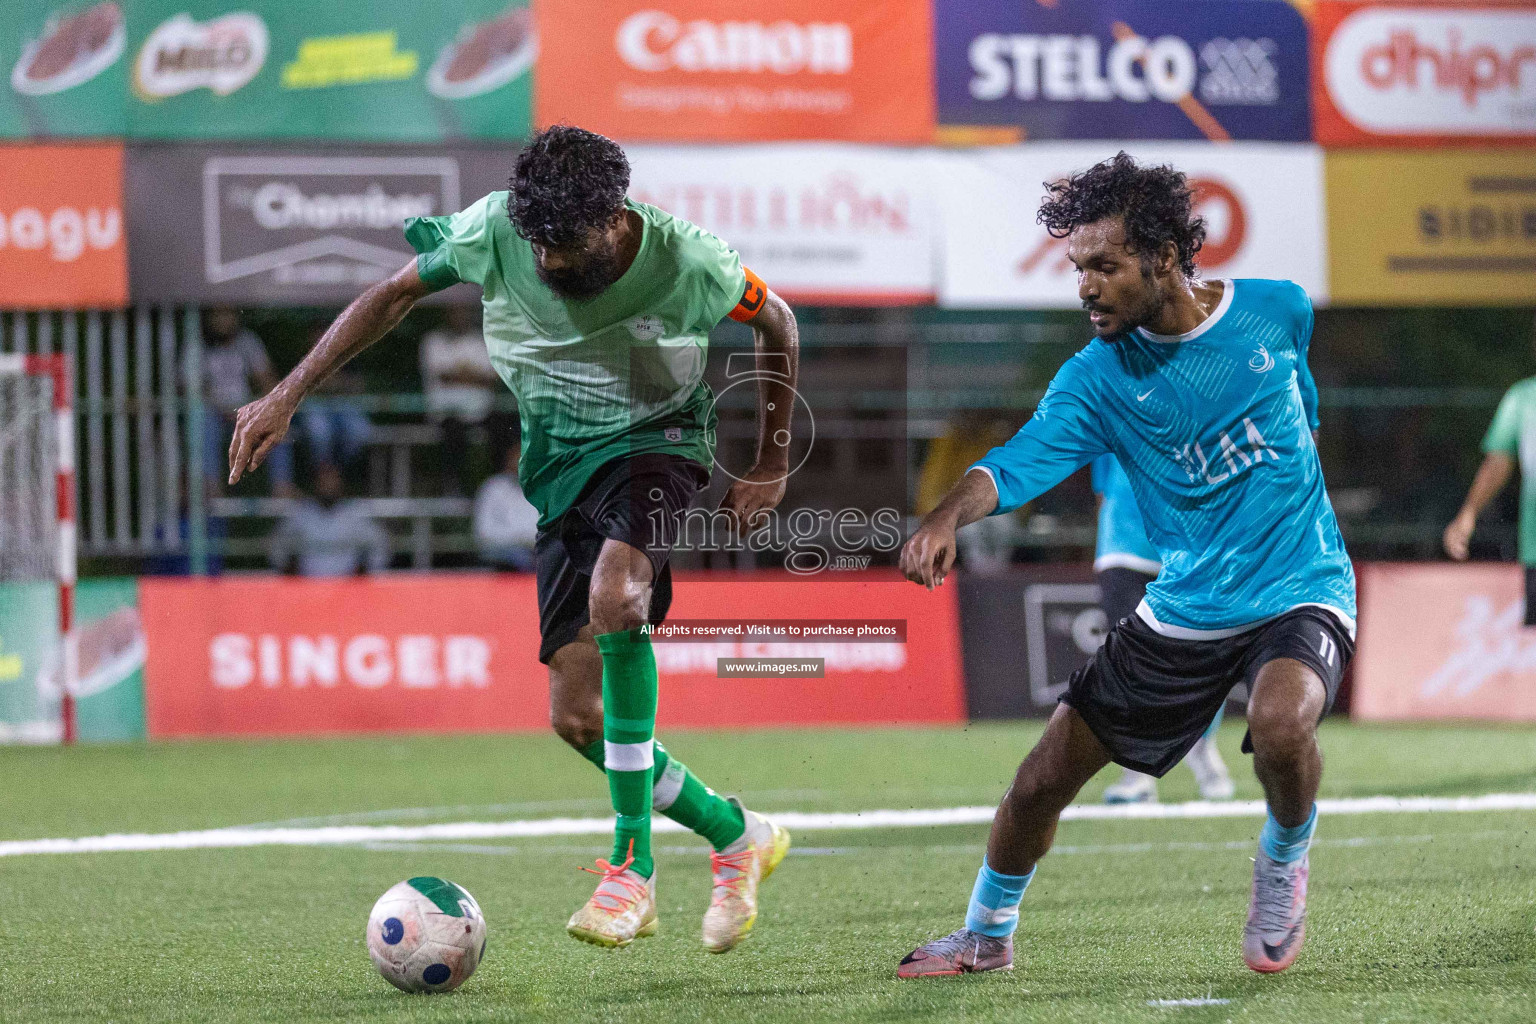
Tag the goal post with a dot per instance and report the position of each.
(37, 499)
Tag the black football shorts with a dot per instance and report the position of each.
(1149, 697)
(625, 500)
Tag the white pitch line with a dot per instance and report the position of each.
(244, 836)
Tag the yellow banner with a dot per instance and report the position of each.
(1450, 227)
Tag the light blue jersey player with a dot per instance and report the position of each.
(1216, 440)
(1124, 562)
(1201, 392)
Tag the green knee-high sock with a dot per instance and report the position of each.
(678, 793)
(629, 725)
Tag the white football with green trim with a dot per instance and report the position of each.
(426, 935)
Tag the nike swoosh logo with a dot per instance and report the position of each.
(1143, 398)
(1278, 952)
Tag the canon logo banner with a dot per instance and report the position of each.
(657, 41)
(1424, 72)
(702, 71)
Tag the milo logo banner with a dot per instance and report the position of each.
(386, 70)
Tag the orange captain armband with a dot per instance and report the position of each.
(752, 298)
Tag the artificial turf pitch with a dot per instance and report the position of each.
(1413, 917)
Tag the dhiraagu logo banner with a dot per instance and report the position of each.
(385, 70)
(109, 702)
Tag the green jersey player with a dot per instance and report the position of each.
(597, 315)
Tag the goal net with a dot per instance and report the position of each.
(37, 550)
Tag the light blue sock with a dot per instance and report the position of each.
(1210, 730)
(1283, 845)
(994, 908)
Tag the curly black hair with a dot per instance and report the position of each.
(566, 182)
(1155, 202)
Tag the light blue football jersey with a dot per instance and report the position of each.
(1214, 431)
(1122, 539)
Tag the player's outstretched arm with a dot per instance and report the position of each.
(262, 423)
(1491, 477)
(930, 552)
(776, 339)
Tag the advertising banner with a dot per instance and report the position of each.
(109, 693)
(29, 632)
(448, 653)
(64, 68)
(385, 70)
(290, 227)
(818, 222)
(1124, 69)
(689, 71)
(61, 227)
(1411, 73)
(1024, 633)
(1262, 203)
(1471, 659)
(1451, 227)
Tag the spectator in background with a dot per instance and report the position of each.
(1511, 438)
(505, 524)
(335, 430)
(985, 546)
(234, 359)
(461, 390)
(325, 535)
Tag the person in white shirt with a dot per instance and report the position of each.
(461, 388)
(233, 359)
(505, 524)
(326, 535)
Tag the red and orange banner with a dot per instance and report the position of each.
(458, 653)
(685, 71)
(1410, 73)
(62, 241)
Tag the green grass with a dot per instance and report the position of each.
(1412, 918)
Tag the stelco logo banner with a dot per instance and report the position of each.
(685, 70)
(1472, 659)
(1412, 73)
(1262, 204)
(460, 653)
(292, 227)
(1124, 69)
(62, 242)
(818, 222)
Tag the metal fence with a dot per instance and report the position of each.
(1396, 457)
(138, 424)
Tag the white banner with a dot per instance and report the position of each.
(1263, 205)
(823, 223)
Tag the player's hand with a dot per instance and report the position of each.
(258, 426)
(1458, 536)
(930, 553)
(761, 489)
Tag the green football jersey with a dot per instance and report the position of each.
(1513, 432)
(602, 379)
